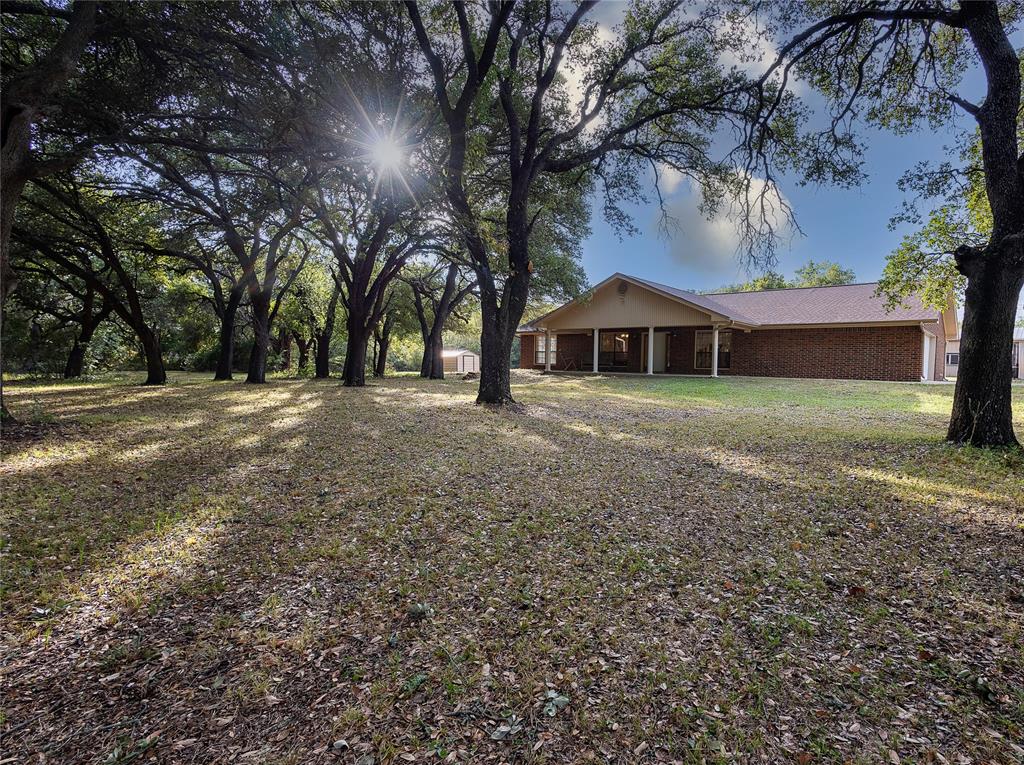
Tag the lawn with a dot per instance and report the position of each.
(627, 570)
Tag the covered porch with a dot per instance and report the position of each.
(704, 350)
(630, 326)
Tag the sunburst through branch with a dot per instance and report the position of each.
(386, 149)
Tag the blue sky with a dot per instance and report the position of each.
(848, 226)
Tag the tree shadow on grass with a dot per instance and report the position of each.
(691, 596)
(71, 504)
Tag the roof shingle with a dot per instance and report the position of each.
(846, 304)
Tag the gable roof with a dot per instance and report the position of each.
(453, 352)
(707, 302)
(844, 304)
(680, 296)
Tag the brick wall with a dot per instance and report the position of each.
(681, 344)
(857, 353)
(527, 346)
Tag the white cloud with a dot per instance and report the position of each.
(711, 246)
(575, 71)
(753, 51)
(669, 179)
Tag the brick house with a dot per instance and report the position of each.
(627, 324)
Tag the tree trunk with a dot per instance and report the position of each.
(500, 322)
(226, 357)
(283, 348)
(303, 345)
(261, 338)
(383, 341)
(155, 372)
(10, 193)
(354, 373)
(437, 353)
(982, 411)
(323, 338)
(76, 360)
(427, 364)
(382, 358)
(495, 349)
(429, 357)
(322, 360)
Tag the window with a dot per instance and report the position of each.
(614, 349)
(539, 353)
(952, 359)
(702, 349)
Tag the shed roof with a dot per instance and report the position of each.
(452, 352)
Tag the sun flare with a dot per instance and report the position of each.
(386, 154)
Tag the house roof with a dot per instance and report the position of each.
(845, 304)
(707, 302)
(452, 352)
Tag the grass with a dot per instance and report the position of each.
(699, 571)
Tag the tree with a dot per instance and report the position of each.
(813, 273)
(650, 98)
(70, 301)
(397, 317)
(255, 206)
(70, 305)
(900, 65)
(74, 76)
(770, 280)
(28, 90)
(822, 274)
(370, 249)
(324, 332)
(437, 290)
(364, 130)
(308, 312)
(90, 235)
(206, 256)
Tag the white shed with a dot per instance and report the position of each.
(460, 360)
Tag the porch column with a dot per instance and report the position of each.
(650, 350)
(597, 346)
(714, 351)
(927, 354)
(547, 350)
